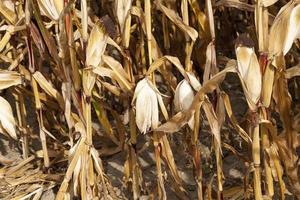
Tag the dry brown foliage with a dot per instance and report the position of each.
(84, 81)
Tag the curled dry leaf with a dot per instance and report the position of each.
(249, 71)
(119, 73)
(51, 8)
(48, 87)
(96, 46)
(159, 62)
(178, 22)
(285, 29)
(7, 119)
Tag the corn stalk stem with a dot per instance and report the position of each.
(266, 145)
(88, 120)
(197, 154)
(188, 45)
(256, 159)
(125, 43)
(21, 114)
(74, 67)
(160, 180)
(148, 28)
(38, 107)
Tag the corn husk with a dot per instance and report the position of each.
(184, 95)
(147, 100)
(122, 8)
(7, 120)
(249, 71)
(51, 8)
(96, 46)
(285, 29)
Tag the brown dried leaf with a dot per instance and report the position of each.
(9, 78)
(178, 21)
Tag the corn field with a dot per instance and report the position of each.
(149, 99)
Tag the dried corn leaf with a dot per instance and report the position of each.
(178, 22)
(233, 120)
(159, 62)
(48, 88)
(285, 29)
(201, 17)
(7, 13)
(9, 78)
(292, 72)
(213, 121)
(119, 73)
(5, 39)
(181, 118)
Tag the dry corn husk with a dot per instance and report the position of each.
(147, 100)
(285, 29)
(122, 8)
(249, 71)
(96, 46)
(51, 8)
(7, 120)
(184, 95)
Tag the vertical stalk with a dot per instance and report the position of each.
(125, 42)
(197, 154)
(156, 139)
(261, 22)
(256, 156)
(74, 67)
(88, 120)
(214, 70)
(132, 157)
(21, 113)
(266, 145)
(148, 29)
(84, 21)
(160, 180)
(189, 44)
(38, 107)
(166, 33)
